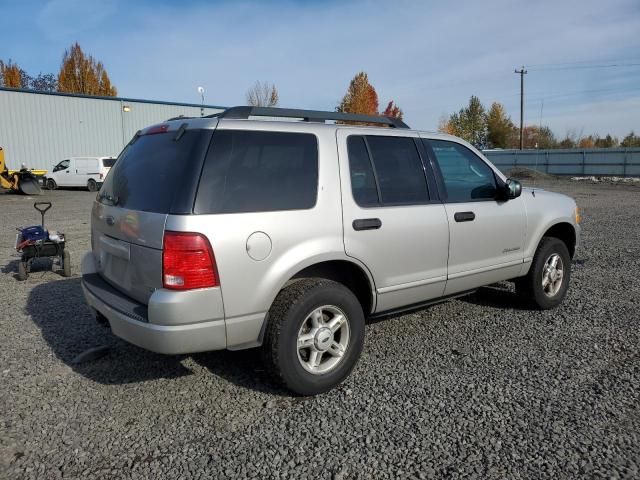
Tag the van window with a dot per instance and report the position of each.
(151, 169)
(108, 162)
(254, 171)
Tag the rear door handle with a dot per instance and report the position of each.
(464, 216)
(367, 224)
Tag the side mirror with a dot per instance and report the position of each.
(514, 188)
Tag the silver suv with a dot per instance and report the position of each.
(232, 231)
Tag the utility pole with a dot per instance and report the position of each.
(522, 73)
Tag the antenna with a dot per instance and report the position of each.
(535, 174)
(201, 92)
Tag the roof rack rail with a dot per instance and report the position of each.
(244, 112)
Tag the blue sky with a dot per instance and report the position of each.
(427, 56)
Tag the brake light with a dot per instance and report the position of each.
(157, 129)
(188, 262)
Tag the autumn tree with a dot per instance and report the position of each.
(13, 76)
(262, 95)
(393, 111)
(81, 73)
(500, 128)
(360, 98)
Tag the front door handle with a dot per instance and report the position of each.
(464, 216)
(367, 224)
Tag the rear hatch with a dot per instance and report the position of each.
(155, 175)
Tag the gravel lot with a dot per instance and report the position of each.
(478, 387)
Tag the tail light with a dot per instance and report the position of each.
(188, 262)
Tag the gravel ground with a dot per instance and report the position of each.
(477, 387)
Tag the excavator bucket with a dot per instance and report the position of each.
(29, 185)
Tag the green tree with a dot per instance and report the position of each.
(500, 128)
(469, 123)
(607, 142)
(81, 73)
(631, 140)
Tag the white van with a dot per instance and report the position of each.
(87, 172)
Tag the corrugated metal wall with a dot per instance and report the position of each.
(623, 162)
(40, 129)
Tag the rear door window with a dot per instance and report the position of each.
(152, 169)
(254, 171)
(386, 170)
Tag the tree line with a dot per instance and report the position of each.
(82, 73)
(495, 129)
(361, 97)
(79, 73)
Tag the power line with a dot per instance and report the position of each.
(580, 67)
(619, 60)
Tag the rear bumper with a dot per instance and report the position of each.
(134, 322)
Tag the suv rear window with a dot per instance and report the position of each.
(151, 169)
(254, 171)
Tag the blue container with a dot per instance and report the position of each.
(33, 233)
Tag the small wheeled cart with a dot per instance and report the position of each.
(37, 242)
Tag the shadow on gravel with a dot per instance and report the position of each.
(68, 326)
(496, 296)
(58, 308)
(243, 368)
(38, 265)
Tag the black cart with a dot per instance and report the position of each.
(50, 246)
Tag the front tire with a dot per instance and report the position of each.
(314, 336)
(92, 186)
(51, 184)
(547, 282)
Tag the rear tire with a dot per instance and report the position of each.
(313, 321)
(66, 264)
(51, 184)
(22, 271)
(547, 282)
(92, 185)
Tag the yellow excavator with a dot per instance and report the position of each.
(21, 181)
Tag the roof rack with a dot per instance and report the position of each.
(243, 113)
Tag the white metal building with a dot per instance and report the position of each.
(40, 128)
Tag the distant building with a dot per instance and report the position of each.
(40, 128)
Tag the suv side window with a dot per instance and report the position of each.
(391, 175)
(466, 177)
(255, 171)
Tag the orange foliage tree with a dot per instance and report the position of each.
(392, 110)
(360, 98)
(12, 75)
(81, 73)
